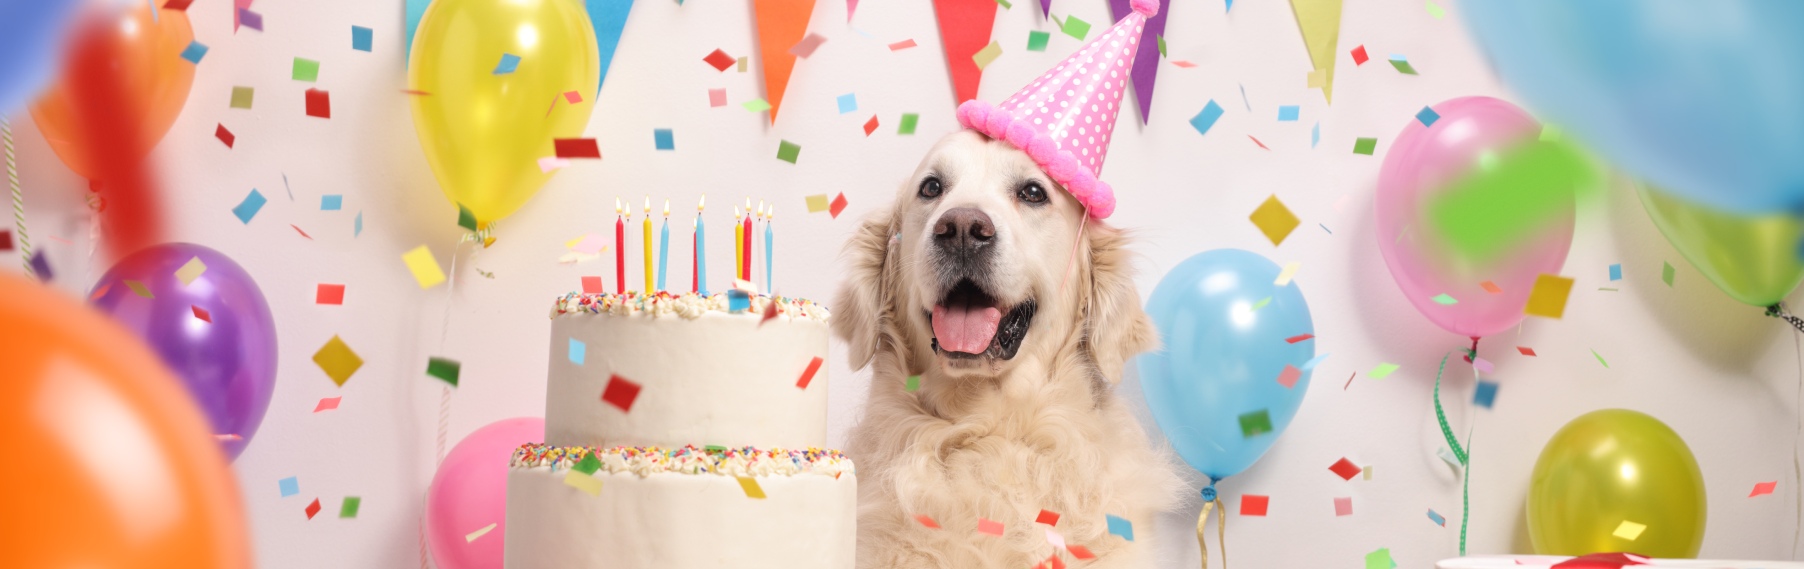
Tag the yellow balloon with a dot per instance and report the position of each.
(1616, 480)
(483, 131)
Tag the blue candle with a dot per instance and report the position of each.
(663, 245)
(701, 248)
(769, 215)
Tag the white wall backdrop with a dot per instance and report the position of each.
(1719, 373)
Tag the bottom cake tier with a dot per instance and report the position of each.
(633, 507)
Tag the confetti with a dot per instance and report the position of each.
(912, 384)
(348, 509)
(1036, 40)
(242, 97)
(1380, 559)
(1365, 146)
(1120, 526)
(1436, 518)
(1053, 538)
(901, 45)
(926, 521)
(6, 240)
(1182, 63)
(1402, 65)
(816, 203)
(424, 267)
(1483, 365)
(1205, 120)
(1274, 220)
(578, 351)
(312, 508)
(1255, 423)
(621, 393)
(327, 404)
(1315, 361)
(331, 202)
(250, 19)
(1343, 506)
(1289, 272)
(663, 139)
(1344, 468)
(248, 208)
(319, 104)
(177, 5)
(1763, 488)
(788, 151)
(848, 103)
(1288, 113)
(1256, 141)
(289, 486)
(40, 266)
(1616, 272)
(751, 488)
(1254, 504)
(1075, 27)
(1315, 135)
(1548, 298)
(444, 369)
(194, 52)
(576, 148)
(1288, 378)
(139, 289)
(1080, 552)
(719, 60)
(989, 526)
(1485, 395)
(469, 537)
(1298, 338)
(1629, 530)
(588, 484)
(838, 205)
(806, 47)
(1359, 55)
(1666, 273)
(191, 270)
(588, 464)
(814, 365)
(1445, 299)
(1047, 517)
(870, 126)
(337, 360)
(333, 294)
(306, 69)
(1382, 370)
(1427, 116)
(1491, 287)
(297, 229)
(549, 163)
(358, 227)
(988, 54)
(908, 122)
(1525, 350)
(362, 38)
(1600, 358)
(1435, 10)
(742, 61)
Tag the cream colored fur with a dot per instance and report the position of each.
(1004, 440)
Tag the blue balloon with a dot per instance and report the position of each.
(1705, 99)
(31, 37)
(1224, 325)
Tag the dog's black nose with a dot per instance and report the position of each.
(963, 229)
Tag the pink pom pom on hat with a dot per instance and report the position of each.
(1064, 119)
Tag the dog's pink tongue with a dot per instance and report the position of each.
(965, 329)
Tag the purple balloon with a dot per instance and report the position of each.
(225, 352)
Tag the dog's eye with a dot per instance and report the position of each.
(931, 188)
(1031, 193)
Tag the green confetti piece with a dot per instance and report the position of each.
(1005, 4)
(1551, 133)
(984, 57)
(1365, 146)
(306, 69)
(1255, 423)
(1488, 213)
(241, 97)
(350, 506)
(788, 151)
(1666, 273)
(1075, 27)
(756, 105)
(913, 385)
(466, 218)
(1403, 66)
(1600, 358)
(1436, 11)
(1380, 559)
(1162, 46)
(1036, 40)
(715, 448)
(444, 369)
(908, 123)
(1262, 302)
(588, 465)
(1445, 299)
(1382, 370)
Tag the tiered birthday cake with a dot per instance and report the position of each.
(683, 431)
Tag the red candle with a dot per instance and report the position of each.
(745, 261)
(619, 249)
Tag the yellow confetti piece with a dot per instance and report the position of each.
(988, 54)
(752, 490)
(818, 203)
(469, 537)
(190, 271)
(1289, 272)
(139, 289)
(425, 268)
(337, 360)
(1549, 296)
(1629, 530)
(1274, 220)
(588, 484)
(1367, 472)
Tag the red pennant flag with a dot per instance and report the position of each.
(781, 24)
(964, 29)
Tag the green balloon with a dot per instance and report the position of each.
(1753, 258)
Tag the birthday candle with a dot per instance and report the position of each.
(738, 245)
(663, 245)
(745, 263)
(648, 283)
(769, 215)
(701, 249)
(619, 251)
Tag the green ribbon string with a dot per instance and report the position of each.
(1459, 452)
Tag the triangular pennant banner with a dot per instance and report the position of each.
(609, 19)
(1146, 60)
(781, 24)
(1320, 23)
(964, 29)
(1046, 9)
(851, 6)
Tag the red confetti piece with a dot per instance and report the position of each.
(1343, 506)
(1525, 350)
(838, 205)
(327, 404)
(297, 229)
(202, 314)
(989, 526)
(1048, 517)
(1491, 287)
(1299, 338)
(224, 135)
(901, 45)
(806, 47)
(1080, 552)
(1763, 488)
(1254, 504)
(720, 60)
(927, 521)
(621, 393)
(100, 292)
(1345, 469)
(6, 240)
(814, 365)
(576, 148)
(415, 92)
(1288, 378)
(592, 285)
(1054, 562)
(319, 104)
(1182, 63)
(1256, 141)
(177, 4)
(333, 294)
(573, 97)
(870, 126)
(313, 508)
(1359, 55)
(770, 313)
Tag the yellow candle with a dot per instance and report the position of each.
(648, 274)
(738, 245)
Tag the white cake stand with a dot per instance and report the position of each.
(1546, 561)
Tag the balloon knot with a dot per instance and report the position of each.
(1209, 492)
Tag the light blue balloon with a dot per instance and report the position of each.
(31, 39)
(1224, 325)
(1705, 99)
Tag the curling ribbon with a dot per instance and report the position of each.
(1459, 452)
(1210, 502)
(12, 180)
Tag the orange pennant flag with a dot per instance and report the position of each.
(781, 24)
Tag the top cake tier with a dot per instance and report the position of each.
(686, 370)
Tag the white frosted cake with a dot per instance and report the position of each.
(683, 431)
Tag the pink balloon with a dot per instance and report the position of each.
(1421, 164)
(469, 492)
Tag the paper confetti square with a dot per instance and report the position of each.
(1525, 350)
(1436, 11)
(333, 294)
(621, 393)
(191, 270)
(1120, 526)
(989, 527)
(1315, 134)
(751, 488)
(319, 104)
(1666, 273)
(305, 69)
(1629, 530)
(250, 19)
(1485, 394)
(348, 509)
(1036, 40)
(312, 508)
(1288, 378)
(331, 202)
(901, 45)
(362, 38)
(838, 205)
(202, 314)
(1288, 113)
(987, 55)
(139, 289)
(912, 384)
(1365, 146)
(588, 484)
(1763, 488)
(1428, 116)
(177, 5)
(248, 208)
(578, 351)
(1344, 468)
(1436, 518)
(1359, 55)
(1382, 370)
(194, 52)
(40, 266)
(926, 521)
(1254, 504)
(870, 126)
(6, 240)
(1274, 220)
(509, 62)
(1616, 272)
(908, 122)
(814, 365)
(1343, 506)
(806, 47)
(788, 151)
(1549, 296)
(847, 103)
(717, 98)
(1491, 287)
(1298, 338)
(742, 62)
(472, 536)
(445, 369)
(1205, 120)
(1075, 27)
(289, 486)
(576, 148)
(242, 97)
(1380, 559)
(719, 60)
(424, 267)
(1054, 539)
(1255, 423)
(663, 139)
(337, 360)
(816, 203)
(1402, 65)
(1047, 517)
(327, 404)
(1445, 299)
(225, 136)
(756, 105)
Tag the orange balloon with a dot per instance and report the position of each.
(109, 464)
(150, 70)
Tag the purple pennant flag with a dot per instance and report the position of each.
(1146, 60)
(1046, 8)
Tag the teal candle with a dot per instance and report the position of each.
(767, 250)
(701, 250)
(663, 246)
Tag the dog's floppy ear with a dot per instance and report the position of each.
(861, 310)
(1115, 327)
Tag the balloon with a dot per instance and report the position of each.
(1421, 165)
(1703, 103)
(30, 35)
(1224, 326)
(484, 132)
(1753, 258)
(109, 463)
(1613, 466)
(469, 492)
(215, 331)
(147, 62)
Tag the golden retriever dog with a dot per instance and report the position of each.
(970, 280)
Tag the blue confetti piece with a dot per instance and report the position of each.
(1315, 361)
(1485, 394)
(738, 301)
(248, 208)
(332, 202)
(1205, 120)
(578, 351)
(1325, 228)
(664, 138)
(290, 486)
(848, 103)
(362, 38)
(194, 52)
(509, 62)
(1315, 135)
(1121, 527)
(1288, 113)
(1428, 116)
(358, 230)
(1616, 272)
(1437, 519)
